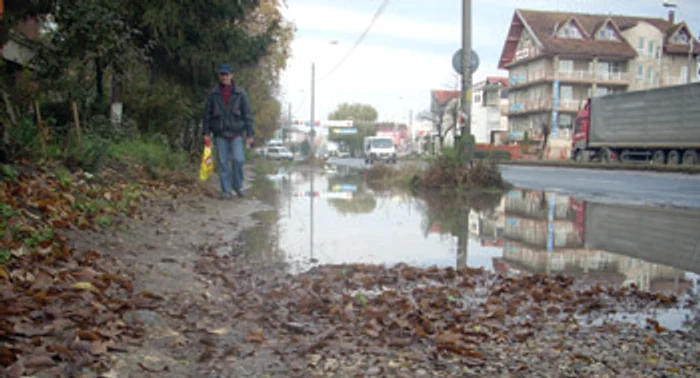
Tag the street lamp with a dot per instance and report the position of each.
(312, 115)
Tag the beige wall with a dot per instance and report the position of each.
(673, 66)
(648, 41)
(533, 69)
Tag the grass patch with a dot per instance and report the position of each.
(5, 256)
(388, 175)
(104, 221)
(445, 171)
(8, 172)
(149, 152)
(266, 217)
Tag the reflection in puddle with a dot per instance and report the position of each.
(336, 217)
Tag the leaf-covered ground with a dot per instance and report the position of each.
(110, 278)
(61, 309)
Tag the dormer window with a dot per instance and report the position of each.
(607, 33)
(681, 37)
(570, 30)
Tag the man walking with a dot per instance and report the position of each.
(229, 118)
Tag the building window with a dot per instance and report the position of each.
(492, 98)
(651, 50)
(570, 30)
(566, 92)
(640, 72)
(650, 77)
(566, 121)
(681, 37)
(640, 45)
(607, 33)
(607, 70)
(566, 66)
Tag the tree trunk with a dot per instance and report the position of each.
(117, 105)
(99, 77)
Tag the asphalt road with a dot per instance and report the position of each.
(634, 187)
(670, 189)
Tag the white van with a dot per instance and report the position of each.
(379, 149)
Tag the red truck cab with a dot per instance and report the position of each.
(579, 142)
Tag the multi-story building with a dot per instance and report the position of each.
(557, 60)
(489, 109)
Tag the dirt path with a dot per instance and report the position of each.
(168, 253)
(230, 309)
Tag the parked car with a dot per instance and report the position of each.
(279, 153)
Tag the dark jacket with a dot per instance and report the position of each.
(230, 121)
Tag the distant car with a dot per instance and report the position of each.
(279, 153)
(343, 154)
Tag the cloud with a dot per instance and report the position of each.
(392, 79)
(408, 51)
(326, 18)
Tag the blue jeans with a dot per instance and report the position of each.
(228, 151)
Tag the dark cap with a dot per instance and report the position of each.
(225, 68)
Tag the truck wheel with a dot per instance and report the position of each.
(659, 157)
(581, 156)
(606, 156)
(690, 157)
(674, 158)
(625, 156)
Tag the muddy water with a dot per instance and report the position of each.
(333, 217)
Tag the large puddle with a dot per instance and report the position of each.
(333, 217)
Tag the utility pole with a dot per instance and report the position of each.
(466, 130)
(289, 123)
(413, 131)
(312, 153)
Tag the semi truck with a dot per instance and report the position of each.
(660, 125)
(660, 235)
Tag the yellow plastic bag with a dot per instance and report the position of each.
(207, 166)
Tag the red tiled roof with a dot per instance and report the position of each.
(544, 23)
(443, 97)
(497, 79)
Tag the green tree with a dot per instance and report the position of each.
(88, 34)
(364, 120)
(355, 112)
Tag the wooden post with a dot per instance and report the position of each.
(77, 121)
(40, 127)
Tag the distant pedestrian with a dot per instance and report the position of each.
(229, 118)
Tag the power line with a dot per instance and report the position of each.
(359, 40)
(299, 107)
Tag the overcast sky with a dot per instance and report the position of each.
(408, 51)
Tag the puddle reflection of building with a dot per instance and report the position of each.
(551, 234)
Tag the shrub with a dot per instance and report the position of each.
(450, 171)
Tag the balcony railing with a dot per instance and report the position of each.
(613, 76)
(570, 105)
(544, 104)
(576, 75)
(585, 76)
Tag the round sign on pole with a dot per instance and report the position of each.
(457, 61)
